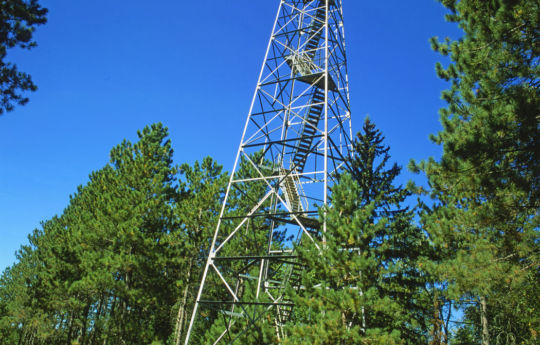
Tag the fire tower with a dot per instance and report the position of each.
(296, 138)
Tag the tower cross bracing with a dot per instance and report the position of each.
(296, 139)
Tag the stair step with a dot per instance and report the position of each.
(321, 2)
(292, 196)
(232, 314)
(246, 276)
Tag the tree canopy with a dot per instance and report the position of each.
(18, 21)
(484, 219)
(364, 286)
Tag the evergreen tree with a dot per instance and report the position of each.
(201, 194)
(138, 217)
(23, 319)
(484, 221)
(105, 270)
(364, 286)
(18, 20)
(121, 264)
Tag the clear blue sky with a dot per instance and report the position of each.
(107, 68)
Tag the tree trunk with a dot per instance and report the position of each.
(60, 325)
(436, 332)
(96, 328)
(84, 329)
(446, 323)
(180, 316)
(110, 322)
(123, 322)
(22, 334)
(124, 313)
(484, 320)
(70, 329)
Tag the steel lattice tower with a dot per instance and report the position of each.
(296, 138)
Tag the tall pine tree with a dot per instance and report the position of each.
(364, 286)
(201, 193)
(104, 271)
(485, 220)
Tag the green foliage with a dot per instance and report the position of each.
(484, 221)
(254, 328)
(122, 263)
(103, 271)
(201, 193)
(18, 20)
(365, 286)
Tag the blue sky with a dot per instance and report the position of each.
(107, 68)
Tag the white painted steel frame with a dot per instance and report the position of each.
(291, 104)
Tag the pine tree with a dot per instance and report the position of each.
(201, 193)
(365, 286)
(484, 221)
(24, 319)
(121, 264)
(140, 210)
(18, 20)
(104, 271)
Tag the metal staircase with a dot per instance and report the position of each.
(302, 64)
(290, 185)
(305, 64)
(285, 311)
(315, 32)
(309, 130)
